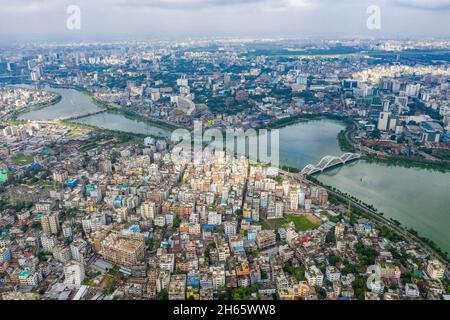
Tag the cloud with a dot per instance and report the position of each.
(41, 5)
(26, 5)
(205, 4)
(179, 18)
(423, 4)
(185, 4)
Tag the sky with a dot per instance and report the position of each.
(181, 19)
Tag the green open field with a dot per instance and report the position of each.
(302, 222)
(22, 159)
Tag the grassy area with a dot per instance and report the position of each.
(304, 222)
(108, 284)
(75, 133)
(22, 159)
(265, 224)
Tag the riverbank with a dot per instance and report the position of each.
(304, 117)
(408, 162)
(15, 114)
(347, 145)
(128, 114)
(393, 223)
(115, 132)
(121, 135)
(106, 106)
(343, 137)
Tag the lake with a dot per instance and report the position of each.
(418, 198)
(75, 103)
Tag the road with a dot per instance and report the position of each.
(375, 216)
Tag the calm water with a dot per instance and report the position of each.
(113, 121)
(73, 103)
(418, 198)
(307, 142)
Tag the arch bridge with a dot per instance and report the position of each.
(329, 162)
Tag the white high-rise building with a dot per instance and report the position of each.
(50, 223)
(67, 229)
(279, 209)
(293, 197)
(148, 210)
(301, 197)
(412, 90)
(48, 243)
(74, 273)
(286, 188)
(230, 228)
(383, 121)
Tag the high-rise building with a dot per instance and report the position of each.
(301, 197)
(339, 229)
(413, 90)
(50, 223)
(74, 273)
(67, 229)
(383, 121)
(48, 243)
(148, 210)
(230, 228)
(294, 199)
(302, 79)
(36, 74)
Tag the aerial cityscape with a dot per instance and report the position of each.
(218, 167)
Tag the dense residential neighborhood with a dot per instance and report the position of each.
(93, 206)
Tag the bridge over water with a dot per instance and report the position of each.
(329, 162)
(79, 116)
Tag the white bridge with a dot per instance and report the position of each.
(330, 161)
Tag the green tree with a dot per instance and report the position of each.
(162, 295)
(360, 287)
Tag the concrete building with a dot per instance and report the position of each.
(74, 273)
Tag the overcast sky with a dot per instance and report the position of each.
(102, 19)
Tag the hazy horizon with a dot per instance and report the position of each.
(30, 20)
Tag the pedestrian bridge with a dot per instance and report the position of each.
(329, 162)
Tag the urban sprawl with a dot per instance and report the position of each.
(94, 214)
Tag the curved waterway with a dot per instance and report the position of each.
(418, 198)
(119, 122)
(77, 104)
(73, 103)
